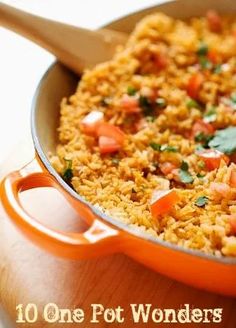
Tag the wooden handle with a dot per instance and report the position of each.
(77, 48)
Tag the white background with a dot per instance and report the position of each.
(22, 63)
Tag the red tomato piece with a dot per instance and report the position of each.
(130, 104)
(108, 145)
(212, 158)
(108, 130)
(214, 21)
(167, 168)
(90, 122)
(162, 201)
(202, 127)
(194, 85)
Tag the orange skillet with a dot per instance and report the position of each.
(106, 235)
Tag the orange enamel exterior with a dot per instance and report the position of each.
(105, 235)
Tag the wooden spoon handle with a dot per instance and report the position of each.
(77, 48)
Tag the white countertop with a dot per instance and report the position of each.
(22, 63)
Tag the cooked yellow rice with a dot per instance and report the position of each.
(122, 184)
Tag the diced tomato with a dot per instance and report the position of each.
(90, 122)
(232, 180)
(214, 21)
(222, 189)
(161, 61)
(130, 104)
(108, 145)
(194, 85)
(105, 129)
(212, 158)
(167, 168)
(232, 222)
(213, 56)
(162, 201)
(202, 127)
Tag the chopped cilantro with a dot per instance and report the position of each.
(159, 147)
(185, 177)
(171, 149)
(205, 63)
(217, 69)
(155, 146)
(203, 138)
(233, 97)
(150, 118)
(115, 161)
(201, 164)
(146, 105)
(225, 140)
(184, 166)
(201, 201)
(202, 50)
(184, 174)
(210, 115)
(191, 103)
(200, 176)
(131, 91)
(68, 173)
(160, 102)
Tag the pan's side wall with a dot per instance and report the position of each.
(57, 83)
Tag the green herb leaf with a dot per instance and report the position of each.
(155, 146)
(217, 69)
(225, 140)
(150, 118)
(131, 91)
(205, 63)
(185, 176)
(146, 105)
(202, 50)
(201, 201)
(202, 137)
(201, 164)
(184, 166)
(210, 115)
(171, 149)
(160, 102)
(200, 176)
(115, 161)
(233, 97)
(68, 173)
(191, 103)
(160, 147)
